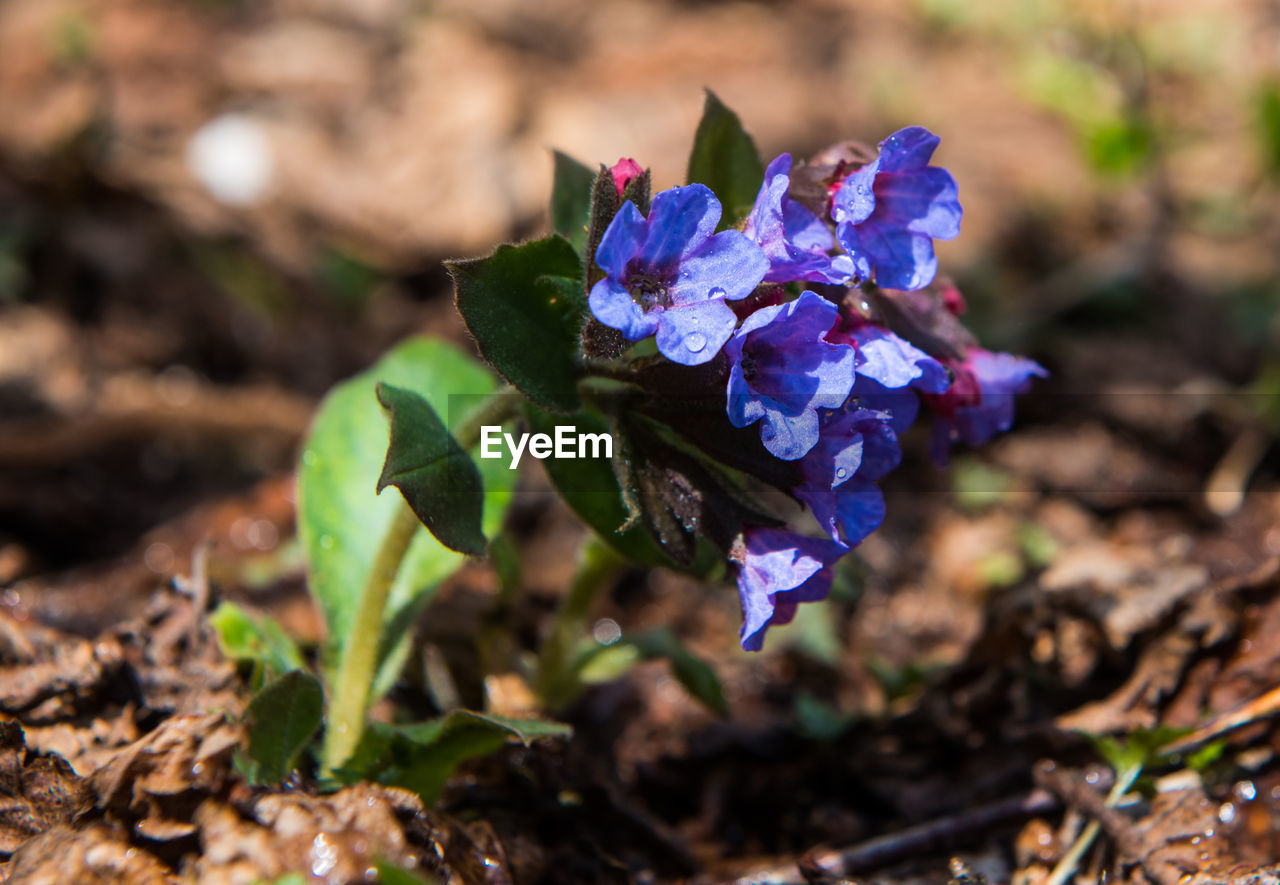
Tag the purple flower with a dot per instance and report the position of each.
(857, 446)
(777, 570)
(889, 370)
(889, 211)
(795, 240)
(979, 404)
(669, 275)
(782, 370)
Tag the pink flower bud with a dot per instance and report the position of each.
(624, 172)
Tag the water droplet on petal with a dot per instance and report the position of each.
(695, 342)
(841, 473)
(716, 292)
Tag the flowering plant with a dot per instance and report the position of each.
(755, 341)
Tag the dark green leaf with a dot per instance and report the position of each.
(691, 671)
(524, 320)
(259, 641)
(341, 519)
(725, 159)
(590, 488)
(282, 719)
(571, 199)
(421, 757)
(817, 719)
(437, 478)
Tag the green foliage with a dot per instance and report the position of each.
(590, 487)
(259, 641)
(282, 719)
(391, 874)
(350, 280)
(819, 720)
(437, 478)
(287, 879)
(1121, 146)
(341, 520)
(525, 306)
(1141, 747)
(1267, 104)
(571, 199)
(690, 671)
(978, 485)
(420, 757)
(725, 159)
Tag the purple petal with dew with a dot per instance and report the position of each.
(901, 406)
(612, 305)
(679, 220)
(894, 362)
(693, 334)
(908, 148)
(788, 437)
(855, 199)
(727, 265)
(900, 259)
(923, 201)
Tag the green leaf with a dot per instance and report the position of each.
(524, 305)
(607, 663)
(437, 478)
(571, 199)
(1267, 103)
(819, 720)
(725, 159)
(393, 874)
(282, 719)
(286, 879)
(259, 641)
(590, 487)
(691, 671)
(421, 757)
(341, 520)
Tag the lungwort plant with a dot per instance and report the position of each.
(717, 376)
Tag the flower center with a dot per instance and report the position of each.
(649, 292)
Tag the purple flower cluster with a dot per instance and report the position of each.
(829, 389)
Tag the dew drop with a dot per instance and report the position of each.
(695, 342)
(310, 458)
(327, 542)
(841, 473)
(1226, 812)
(716, 292)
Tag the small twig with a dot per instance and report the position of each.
(1102, 811)
(933, 836)
(1225, 488)
(1262, 707)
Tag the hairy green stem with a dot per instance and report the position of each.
(359, 662)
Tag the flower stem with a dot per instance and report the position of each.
(556, 681)
(359, 661)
